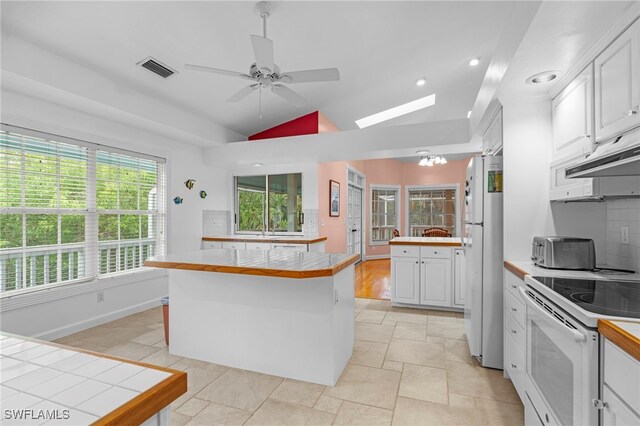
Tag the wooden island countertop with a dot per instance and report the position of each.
(284, 264)
(426, 241)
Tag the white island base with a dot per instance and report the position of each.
(290, 327)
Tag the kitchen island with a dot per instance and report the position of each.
(285, 313)
(428, 272)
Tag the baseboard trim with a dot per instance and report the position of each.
(378, 256)
(95, 321)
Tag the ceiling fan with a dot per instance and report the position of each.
(265, 74)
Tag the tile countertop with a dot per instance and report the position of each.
(625, 334)
(285, 264)
(84, 387)
(287, 239)
(426, 241)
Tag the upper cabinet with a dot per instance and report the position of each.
(572, 117)
(617, 85)
(492, 138)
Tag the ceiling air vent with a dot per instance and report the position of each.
(156, 67)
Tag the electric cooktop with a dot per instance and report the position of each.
(611, 298)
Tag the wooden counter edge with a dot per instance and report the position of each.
(437, 244)
(267, 240)
(278, 273)
(622, 338)
(515, 270)
(147, 403)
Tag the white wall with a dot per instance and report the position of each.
(527, 210)
(623, 213)
(57, 311)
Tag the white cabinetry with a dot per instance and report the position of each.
(515, 338)
(211, 245)
(234, 245)
(435, 281)
(565, 189)
(425, 276)
(492, 137)
(617, 85)
(458, 277)
(621, 389)
(293, 247)
(571, 113)
(405, 279)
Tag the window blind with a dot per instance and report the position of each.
(49, 218)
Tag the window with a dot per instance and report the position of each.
(270, 203)
(73, 211)
(431, 208)
(384, 213)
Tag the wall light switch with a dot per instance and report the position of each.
(624, 231)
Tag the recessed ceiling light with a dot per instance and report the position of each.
(474, 62)
(469, 114)
(421, 81)
(543, 77)
(258, 164)
(394, 112)
(422, 152)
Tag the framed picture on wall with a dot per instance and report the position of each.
(334, 198)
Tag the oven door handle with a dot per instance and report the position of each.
(576, 335)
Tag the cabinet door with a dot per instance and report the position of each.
(234, 245)
(405, 280)
(564, 189)
(458, 278)
(211, 245)
(435, 282)
(293, 247)
(571, 114)
(492, 138)
(617, 75)
(616, 412)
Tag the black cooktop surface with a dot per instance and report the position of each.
(613, 298)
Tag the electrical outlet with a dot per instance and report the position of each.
(100, 296)
(624, 231)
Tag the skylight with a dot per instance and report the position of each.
(398, 111)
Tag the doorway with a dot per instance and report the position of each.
(355, 212)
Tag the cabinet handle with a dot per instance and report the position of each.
(416, 262)
(514, 310)
(513, 331)
(514, 366)
(633, 111)
(423, 262)
(513, 286)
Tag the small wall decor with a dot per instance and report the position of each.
(203, 194)
(334, 198)
(177, 201)
(189, 183)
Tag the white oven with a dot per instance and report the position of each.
(562, 363)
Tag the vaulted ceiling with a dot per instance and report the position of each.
(380, 48)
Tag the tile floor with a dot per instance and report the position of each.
(409, 367)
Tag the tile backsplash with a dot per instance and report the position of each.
(621, 213)
(216, 222)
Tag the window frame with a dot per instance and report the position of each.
(456, 205)
(91, 242)
(265, 218)
(373, 187)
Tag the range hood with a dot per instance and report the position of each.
(619, 157)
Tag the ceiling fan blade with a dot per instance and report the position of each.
(309, 76)
(217, 71)
(243, 93)
(263, 52)
(288, 94)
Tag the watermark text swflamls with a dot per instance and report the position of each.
(31, 414)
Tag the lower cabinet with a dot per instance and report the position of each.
(405, 280)
(435, 282)
(430, 276)
(621, 389)
(616, 412)
(317, 247)
(458, 277)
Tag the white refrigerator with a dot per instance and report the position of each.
(482, 243)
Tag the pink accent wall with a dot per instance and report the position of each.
(379, 172)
